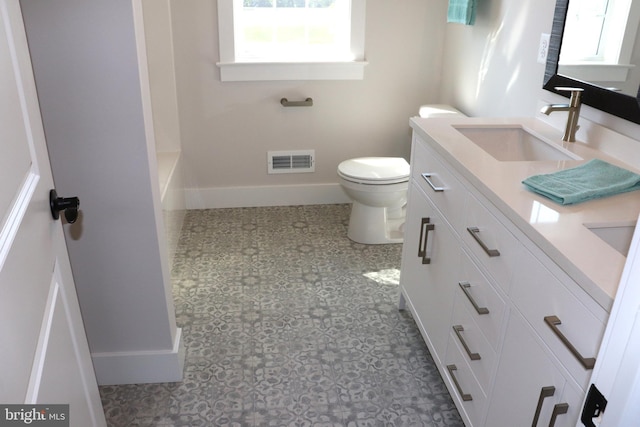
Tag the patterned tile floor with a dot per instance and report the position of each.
(287, 322)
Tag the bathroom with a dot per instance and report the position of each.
(489, 69)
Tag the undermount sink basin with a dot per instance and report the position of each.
(618, 237)
(514, 143)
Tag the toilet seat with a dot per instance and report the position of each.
(375, 170)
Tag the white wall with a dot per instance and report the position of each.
(227, 128)
(163, 103)
(491, 69)
(85, 58)
(162, 80)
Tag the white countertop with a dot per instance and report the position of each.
(556, 229)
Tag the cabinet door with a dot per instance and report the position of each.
(430, 259)
(529, 386)
(540, 296)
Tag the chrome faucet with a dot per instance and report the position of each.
(573, 107)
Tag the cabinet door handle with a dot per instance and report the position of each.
(553, 322)
(465, 286)
(465, 397)
(427, 177)
(559, 409)
(425, 227)
(544, 393)
(474, 233)
(457, 329)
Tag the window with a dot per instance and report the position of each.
(585, 27)
(291, 39)
(598, 39)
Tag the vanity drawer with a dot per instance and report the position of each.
(438, 183)
(571, 331)
(463, 385)
(480, 298)
(491, 243)
(476, 350)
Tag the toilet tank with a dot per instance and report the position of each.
(438, 110)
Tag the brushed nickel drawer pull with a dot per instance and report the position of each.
(465, 286)
(427, 177)
(457, 329)
(308, 102)
(425, 227)
(559, 409)
(474, 233)
(544, 393)
(465, 397)
(553, 322)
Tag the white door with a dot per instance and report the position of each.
(617, 370)
(44, 355)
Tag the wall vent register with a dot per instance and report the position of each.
(298, 161)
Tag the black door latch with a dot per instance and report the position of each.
(593, 406)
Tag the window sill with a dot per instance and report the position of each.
(269, 71)
(591, 72)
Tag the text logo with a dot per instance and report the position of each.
(34, 415)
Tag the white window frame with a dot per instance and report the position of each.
(231, 70)
(615, 63)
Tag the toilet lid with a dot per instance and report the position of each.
(375, 169)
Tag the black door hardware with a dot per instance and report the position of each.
(69, 205)
(593, 407)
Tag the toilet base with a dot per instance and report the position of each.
(375, 225)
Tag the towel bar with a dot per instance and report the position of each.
(306, 103)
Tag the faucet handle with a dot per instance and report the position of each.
(576, 93)
(569, 89)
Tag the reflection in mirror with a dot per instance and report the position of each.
(598, 41)
(594, 45)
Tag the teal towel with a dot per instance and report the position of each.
(591, 180)
(462, 12)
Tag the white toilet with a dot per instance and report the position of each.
(378, 188)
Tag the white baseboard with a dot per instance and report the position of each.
(140, 367)
(277, 195)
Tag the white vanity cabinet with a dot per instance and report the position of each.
(512, 334)
(430, 257)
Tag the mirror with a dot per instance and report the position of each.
(610, 81)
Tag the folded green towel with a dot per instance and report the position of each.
(592, 180)
(462, 12)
